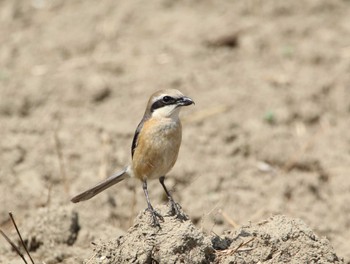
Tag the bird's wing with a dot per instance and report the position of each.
(111, 180)
(136, 136)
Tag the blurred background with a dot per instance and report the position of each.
(269, 133)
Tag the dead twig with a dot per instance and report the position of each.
(228, 219)
(231, 251)
(22, 242)
(13, 246)
(20, 237)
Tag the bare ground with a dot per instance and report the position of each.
(269, 133)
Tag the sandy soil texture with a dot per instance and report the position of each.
(276, 240)
(268, 139)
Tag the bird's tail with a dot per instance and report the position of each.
(111, 180)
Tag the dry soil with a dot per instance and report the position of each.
(269, 134)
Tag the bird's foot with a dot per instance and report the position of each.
(155, 216)
(176, 210)
(175, 207)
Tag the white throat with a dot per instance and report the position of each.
(168, 111)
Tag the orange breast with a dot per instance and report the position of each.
(157, 148)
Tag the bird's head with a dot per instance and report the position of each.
(167, 103)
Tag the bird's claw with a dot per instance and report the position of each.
(155, 216)
(175, 209)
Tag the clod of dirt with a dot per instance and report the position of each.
(50, 233)
(101, 94)
(230, 40)
(59, 226)
(277, 240)
(177, 241)
(97, 89)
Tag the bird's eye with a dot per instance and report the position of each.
(167, 99)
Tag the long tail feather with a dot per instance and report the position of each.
(111, 180)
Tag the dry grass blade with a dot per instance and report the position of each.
(231, 251)
(91, 258)
(60, 161)
(13, 246)
(228, 219)
(20, 237)
(239, 248)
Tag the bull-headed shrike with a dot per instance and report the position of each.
(154, 149)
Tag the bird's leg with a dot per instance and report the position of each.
(150, 207)
(173, 203)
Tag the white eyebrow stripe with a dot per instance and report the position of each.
(160, 97)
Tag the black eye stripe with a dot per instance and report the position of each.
(156, 105)
(166, 100)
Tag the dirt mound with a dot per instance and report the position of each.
(49, 235)
(276, 240)
(176, 241)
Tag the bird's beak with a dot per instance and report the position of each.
(183, 101)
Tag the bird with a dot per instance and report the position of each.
(154, 148)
